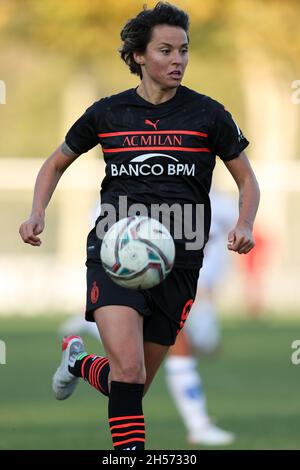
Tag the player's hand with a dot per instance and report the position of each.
(31, 228)
(240, 239)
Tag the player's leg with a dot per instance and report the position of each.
(116, 324)
(154, 354)
(121, 329)
(121, 375)
(122, 335)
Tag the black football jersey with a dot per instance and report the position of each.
(161, 156)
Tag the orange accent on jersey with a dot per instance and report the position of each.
(184, 314)
(94, 293)
(151, 123)
(134, 149)
(183, 132)
(186, 309)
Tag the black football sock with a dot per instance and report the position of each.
(126, 419)
(93, 369)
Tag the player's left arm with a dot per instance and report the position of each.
(240, 239)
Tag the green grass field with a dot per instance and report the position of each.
(252, 387)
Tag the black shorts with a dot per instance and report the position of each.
(165, 307)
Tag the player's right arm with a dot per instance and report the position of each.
(46, 182)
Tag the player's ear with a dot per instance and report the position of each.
(139, 58)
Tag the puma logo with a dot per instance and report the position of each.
(153, 124)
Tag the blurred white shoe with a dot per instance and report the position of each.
(210, 435)
(63, 382)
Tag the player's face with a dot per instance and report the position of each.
(166, 56)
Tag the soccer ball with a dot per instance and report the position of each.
(137, 252)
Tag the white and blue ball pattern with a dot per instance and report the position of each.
(138, 252)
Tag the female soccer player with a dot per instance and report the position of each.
(159, 142)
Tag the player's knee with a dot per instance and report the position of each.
(129, 372)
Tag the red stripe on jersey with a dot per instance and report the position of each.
(179, 149)
(115, 134)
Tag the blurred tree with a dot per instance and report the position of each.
(252, 45)
(79, 28)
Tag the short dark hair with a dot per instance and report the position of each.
(136, 33)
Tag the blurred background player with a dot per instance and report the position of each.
(203, 325)
(253, 267)
(202, 332)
